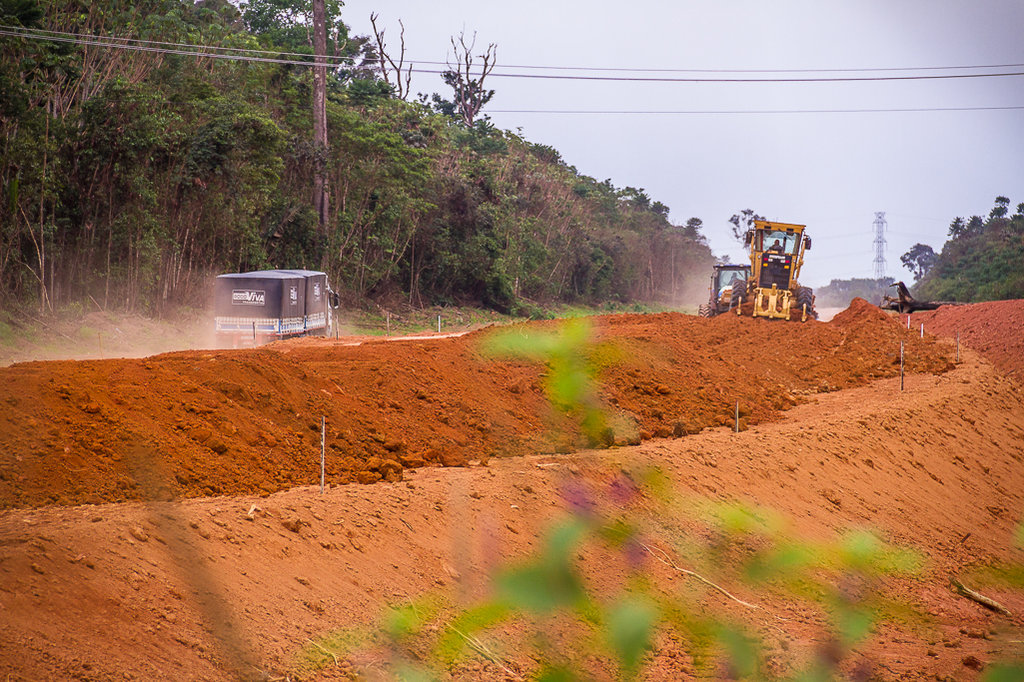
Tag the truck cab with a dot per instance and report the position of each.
(723, 279)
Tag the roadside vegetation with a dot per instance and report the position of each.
(129, 178)
(983, 259)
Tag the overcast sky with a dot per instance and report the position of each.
(830, 171)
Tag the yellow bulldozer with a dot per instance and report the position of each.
(772, 290)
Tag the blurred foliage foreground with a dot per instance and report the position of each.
(630, 568)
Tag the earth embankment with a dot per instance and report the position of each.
(202, 423)
(994, 328)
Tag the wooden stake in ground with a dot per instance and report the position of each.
(323, 439)
(901, 365)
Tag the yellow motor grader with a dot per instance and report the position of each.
(776, 256)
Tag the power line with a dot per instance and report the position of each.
(43, 33)
(719, 112)
(332, 61)
(127, 41)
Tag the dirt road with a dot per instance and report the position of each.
(200, 587)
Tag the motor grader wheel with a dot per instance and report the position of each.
(805, 297)
(704, 310)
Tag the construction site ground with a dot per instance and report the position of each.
(162, 517)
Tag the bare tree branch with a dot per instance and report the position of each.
(387, 64)
(470, 94)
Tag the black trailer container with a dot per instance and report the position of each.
(269, 304)
(317, 316)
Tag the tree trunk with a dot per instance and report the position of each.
(320, 201)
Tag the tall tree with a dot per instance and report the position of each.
(743, 221)
(1001, 209)
(957, 227)
(919, 260)
(469, 93)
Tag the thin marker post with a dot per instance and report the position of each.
(901, 365)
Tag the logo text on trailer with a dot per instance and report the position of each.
(248, 297)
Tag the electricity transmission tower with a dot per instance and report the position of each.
(880, 226)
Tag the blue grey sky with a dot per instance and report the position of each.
(830, 171)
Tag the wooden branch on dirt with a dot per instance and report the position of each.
(482, 649)
(329, 653)
(664, 558)
(988, 603)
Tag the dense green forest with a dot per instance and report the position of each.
(983, 259)
(130, 177)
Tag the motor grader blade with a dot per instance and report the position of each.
(796, 313)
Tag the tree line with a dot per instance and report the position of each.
(982, 260)
(130, 178)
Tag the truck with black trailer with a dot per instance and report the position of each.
(251, 308)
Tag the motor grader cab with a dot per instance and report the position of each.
(772, 290)
(720, 292)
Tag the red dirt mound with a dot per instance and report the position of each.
(248, 421)
(995, 329)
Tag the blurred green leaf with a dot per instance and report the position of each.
(1004, 672)
(617, 532)
(551, 580)
(740, 519)
(556, 674)
(780, 563)
(699, 630)
(859, 548)
(629, 630)
(408, 619)
(742, 651)
(656, 483)
(407, 672)
(466, 624)
(854, 624)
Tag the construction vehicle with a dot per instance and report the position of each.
(720, 291)
(776, 256)
(251, 308)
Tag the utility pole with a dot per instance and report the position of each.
(880, 226)
(320, 150)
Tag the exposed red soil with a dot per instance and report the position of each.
(199, 588)
(248, 421)
(995, 329)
